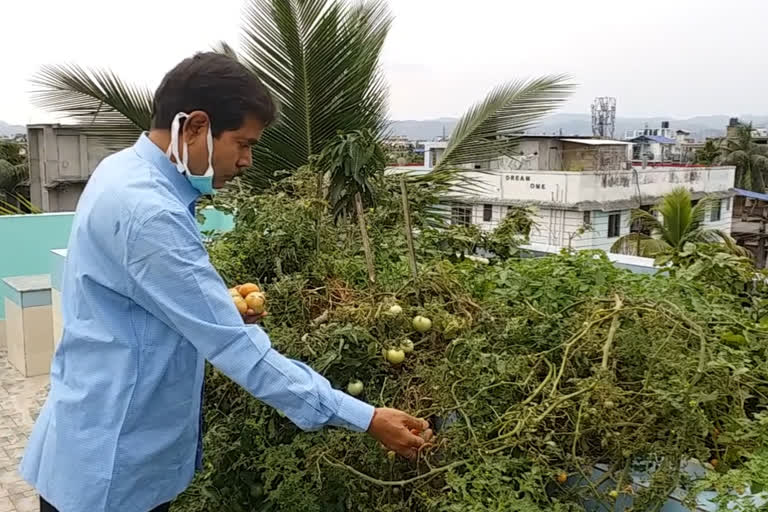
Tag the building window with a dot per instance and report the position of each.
(487, 212)
(614, 225)
(461, 215)
(587, 218)
(717, 207)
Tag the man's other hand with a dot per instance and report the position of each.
(399, 431)
(251, 317)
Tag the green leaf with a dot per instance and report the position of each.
(734, 340)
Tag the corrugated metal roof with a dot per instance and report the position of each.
(597, 142)
(750, 194)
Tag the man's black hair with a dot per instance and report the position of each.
(216, 84)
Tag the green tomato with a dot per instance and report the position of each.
(406, 346)
(422, 323)
(395, 310)
(355, 387)
(395, 356)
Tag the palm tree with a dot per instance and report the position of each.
(708, 154)
(750, 159)
(680, 223)
(319, 58)
(12, 178)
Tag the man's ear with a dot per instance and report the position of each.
(196, 125)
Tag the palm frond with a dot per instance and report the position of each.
(491, 128)
(760, 161)
(699, 210)
(677, 214)
(320, 60)
(645, 220)
(111, 110)
(12, 177)
(22, 207)
(716, 236)
(639, 244)
(735, 157)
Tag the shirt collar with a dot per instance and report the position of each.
(148, 150)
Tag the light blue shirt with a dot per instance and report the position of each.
(142, 309)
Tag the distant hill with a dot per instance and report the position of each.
(700, 127)
(8, 130)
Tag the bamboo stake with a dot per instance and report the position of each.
(408, 229)
(364, 236)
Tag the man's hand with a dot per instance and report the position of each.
(399, 431)
(251, 317)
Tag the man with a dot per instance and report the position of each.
(143, 308)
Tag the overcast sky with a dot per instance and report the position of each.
(676, 58)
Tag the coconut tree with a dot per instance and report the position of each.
(681, 222)
(319, 59)
(708, 154)
(750, 159)
(12, 178)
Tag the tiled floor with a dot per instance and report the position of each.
(20, 401)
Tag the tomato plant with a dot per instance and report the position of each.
(531, 369)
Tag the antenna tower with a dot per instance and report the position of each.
(604, 117)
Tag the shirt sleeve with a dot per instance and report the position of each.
(172, 278)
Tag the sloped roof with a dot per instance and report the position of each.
(750, 194)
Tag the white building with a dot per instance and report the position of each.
(578, 183)
(653, 148)
(662, 145)
(664, 131)
(398, 143)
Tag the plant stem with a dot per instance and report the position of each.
(428, 474)
(611, 334)
(541, 386)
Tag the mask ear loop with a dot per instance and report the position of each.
(209, 138)
(173, 149)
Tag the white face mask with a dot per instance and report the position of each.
(203, 183)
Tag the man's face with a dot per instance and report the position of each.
(231, 149)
